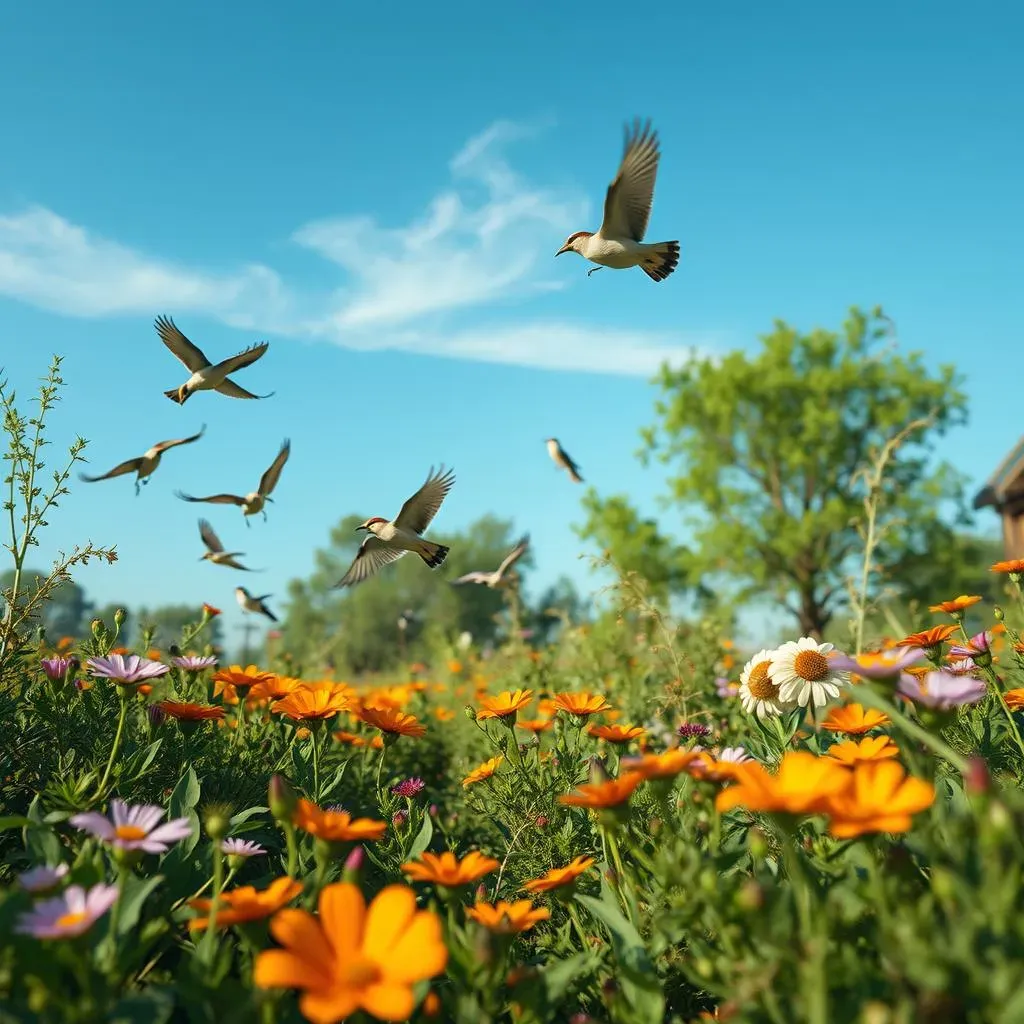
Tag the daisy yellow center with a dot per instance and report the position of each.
(360, 972)
(129, 832)
(760, 686)
(70, 920)
(811, 665)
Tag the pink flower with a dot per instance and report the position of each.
(126, 669)
(57, 668)
(134, 828)
(42, 878)
(883, 665)
(978, 644)
(242, 848)
(70, 914)
(409, 787)
(942, 690)
(194, 662)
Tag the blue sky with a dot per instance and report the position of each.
(380, 192)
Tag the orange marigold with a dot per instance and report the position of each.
(957, 605)
(484, 771)
(307, 703)
(1014, 699)
(353, 739)
(391, 721)
(335, 826)
(928, 637)
(878, 798)
(508, 918)
(447, 870)
(183, 711)
(210, 612)
(854, 719)
(617, 733)
(870, 748)
(580, 704)
(557, 877)
(535, 724)
(1014, 565)
(667, 764)
(235, 680)
(802, 785)
(610, 793)
(246, 903)
(506, 705)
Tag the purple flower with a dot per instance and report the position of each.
(691, 730)
(195, 662)
(734, 755)
(126, 669)
(42, 878)
(409, 787)
(241, 848)
(883, 665)
(978, 644)
(942, 690)
(134, 828)
(57, 668)
(67, 915)
(726, 688)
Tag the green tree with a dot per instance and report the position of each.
(358, 628)
(767, 450)
(67, 611)
(167, 621)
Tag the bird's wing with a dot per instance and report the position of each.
(515, 554)
(230, 561)
(164, 445)
(574, 469)
(472, 577)
(269, 479)
(128, 466)
(250, 355)
(627, 203)
(420, 509)
(210, 538)
(233, 390)
(373, 554)
(189, 354)
(214, 499)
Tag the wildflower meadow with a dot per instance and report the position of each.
(635, 822)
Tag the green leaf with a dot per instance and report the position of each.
(153, 1006)
(14, 821)
(182, 805)
(423, 837)
(133, 896)
(559, 975)
(237, 819)
(136, 765)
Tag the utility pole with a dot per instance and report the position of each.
(247, 629)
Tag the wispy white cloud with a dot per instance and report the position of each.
(485, 240)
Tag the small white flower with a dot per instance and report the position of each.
(734, 755)
(758, 693)
(803, 674)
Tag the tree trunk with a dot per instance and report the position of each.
(813, 616)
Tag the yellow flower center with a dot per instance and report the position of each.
(760, 686)
(129, 832)
(811, 665)
(360, 972)
(70, 920)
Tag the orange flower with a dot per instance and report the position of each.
(534, 724)
(154, 654)
(335, 826)
(508, 918)
(580, 704)
(454, 666)
(145, 689)
(245, 903)
(445, 869)
(355, 740)
(557, 877)
(957, 606)
(854, 719)
(306, 703)
(274, 688)
(352, 957)
(119, 650)
(870, 748)
(506, 705)
(444, 714)
(391, 721)
(484, 771)
(610, 793)
(665, 765)
(1014, 699)
(617, 733)
(928, 637)
(234, 680)
(878, 798)
(802, 786)
(1014, 565)
(396, 697)
(186, 712)
(66, 642)
(210, 612)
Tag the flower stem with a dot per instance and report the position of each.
(293, 849)
(123, 693)
(218, 884)
(316, 766)
(380, 768)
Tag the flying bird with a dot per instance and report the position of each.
(500, 577)
(254, 501)
(215, 550)
(560, 457)
(388, 541)
(145, 464)
(618, 243)
(256, 605)
(206, 376)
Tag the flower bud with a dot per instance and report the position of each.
(119, 616)
(470, 713)
(217, 821)
(98, 630)
(976, 778)
(998, 613)
(281, 799)
(353, 865)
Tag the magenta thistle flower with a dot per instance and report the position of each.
(194, 662)
(42, 878)
(134, 828)
(242, 848)
(70, 914)
(125, 670)
(409, 787)
(57, 668)
(942, 690)
(883, 665)
(691, 730)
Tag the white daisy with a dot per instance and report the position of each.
(803, 673)
(758, 693)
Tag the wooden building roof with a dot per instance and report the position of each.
(1006, 482)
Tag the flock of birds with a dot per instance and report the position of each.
(618, 244)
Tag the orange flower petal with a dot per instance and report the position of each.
(420, 952)
(389, 914)
(299, 930)
(343, 915)
(281, 968)
(388, 1002)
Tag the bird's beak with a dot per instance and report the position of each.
(565, 248)
(358, 528)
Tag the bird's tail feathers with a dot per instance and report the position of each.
(175, 396)
(660, 260)
(431, 553)
(574, 476)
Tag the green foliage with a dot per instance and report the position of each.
(164, 624)
(767, 452)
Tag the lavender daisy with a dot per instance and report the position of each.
(126, 670)
(57, 668)
(409, 787)
(877, 665)
(70, 914)
(242, 848)
(194, 662)
(942, 690)
(42, 878)
(134, 828)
